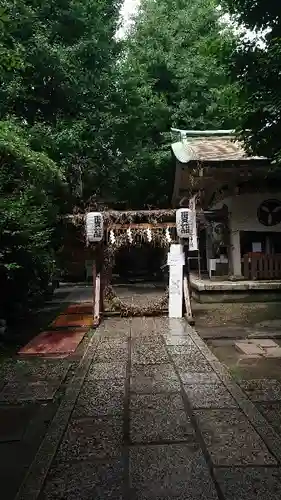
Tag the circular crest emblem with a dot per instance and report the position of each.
(269, 213)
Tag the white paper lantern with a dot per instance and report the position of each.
(94, 227)
(182, 222)
(186, 226)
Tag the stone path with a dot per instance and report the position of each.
(146, 413)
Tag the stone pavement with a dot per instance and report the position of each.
(146, 413)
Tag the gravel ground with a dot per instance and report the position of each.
(212, 315)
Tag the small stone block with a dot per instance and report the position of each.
(272, 352)
(249, 349)
(264, 343)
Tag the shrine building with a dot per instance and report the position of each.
(240, 254)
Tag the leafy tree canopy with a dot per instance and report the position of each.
(258, 69)
(30, 184)
(174, 71)
(58, 78)
(56, 65)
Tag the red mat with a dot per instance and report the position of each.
(54, 343)
(69, 320)
(79, 309)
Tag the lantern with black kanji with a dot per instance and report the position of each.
(94, 227)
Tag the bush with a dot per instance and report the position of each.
(29, 183)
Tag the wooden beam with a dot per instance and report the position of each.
(94, 287)
(97, 316)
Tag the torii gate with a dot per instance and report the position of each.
(181, 224)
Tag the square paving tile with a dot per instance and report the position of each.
(109, 335)
(262, 389)
(185, 350)
(146, 336)
(30, 391)
(88, 439)
(105, 371)
(178, 340)
(272, 412)
(148, 426)
(198, 377)
(171, 402)
(97, 398)
(154, 379)
(108, 352)
(14, 421)
(209, 396)
(175, 471)
(85, 481)
(120, 331)
(193, 361)
(249, 349)
(250, 483)
(36, 370)
(144, 323)
(144, 353)
(230, 438)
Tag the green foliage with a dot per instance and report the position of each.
(83, 114)
(63, 87)
(257, 67)
(29, 182)
(174, 72)
(56, 62)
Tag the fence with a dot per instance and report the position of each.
(262, 266)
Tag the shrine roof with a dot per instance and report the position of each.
(211, 149)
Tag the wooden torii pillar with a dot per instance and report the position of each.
(98, 285)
